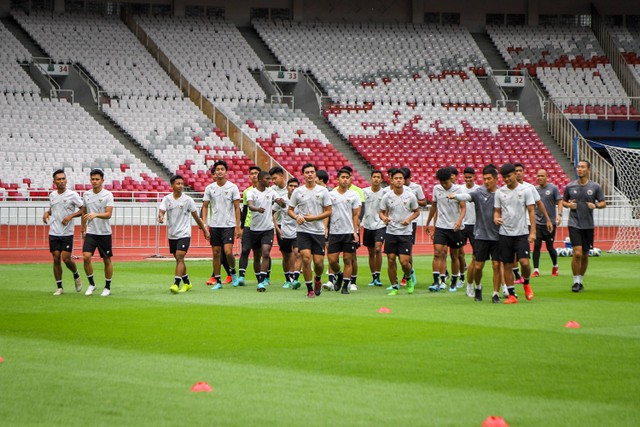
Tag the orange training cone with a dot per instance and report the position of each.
(572, 324)
(384, 310)
(201, 386)
(494, 421)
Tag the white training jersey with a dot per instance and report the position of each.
(98, 203)
(514, 205)
(222, 213)
(178, 215)
(342, 206)
(63, 205)
(398, 209)
(470, 216)
(448, 209)
(283, 193)
(371, 219)
(536, 196)
(310, 202)
(288, 226)
(262, 199)
(417, 191)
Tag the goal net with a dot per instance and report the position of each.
(626, 162)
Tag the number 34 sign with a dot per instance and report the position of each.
(55, 69)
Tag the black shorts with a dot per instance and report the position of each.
(513, 248)
(260, 238)
(181, 244)
(313, 242)
(102, 242)
(371, 237)
(543, 234)
(468, 234)
(342, 243)
(447, 237)
(288, 245)
(581, 237)
(398, 244)
(483, 250)
(220, 236)
(60, 243)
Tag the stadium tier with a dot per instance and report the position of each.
(13, 78)
(210, 53)
(426, 138)
(181, 137)
(289, 137)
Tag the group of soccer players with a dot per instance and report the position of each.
(311, 221)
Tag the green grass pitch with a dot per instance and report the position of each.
(279, 359)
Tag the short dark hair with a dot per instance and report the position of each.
(263, 174)
(398, 171)
(587, 162)
(97, 171)
(470, 170)
(174, 178)
(348, 168)
(491, 170)
(322, 174)
(375, 171)
(518, 165)
(219, 163)
(507, 168)
(453, 170)
(344, 170)
(255, 168)
(443, 174)
(291, 180)
(56, 172)
(276, 170)
(406, 172)
(309, 165)
(391, 171)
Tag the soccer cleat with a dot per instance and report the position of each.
(459, 284)
(434, 288)
(217, 287)
(410, 286)
(78, 284)
(287, 285)
(414, 278)
(378, 283)
(511, 299)
(390, 287)
(261, 287)
(345, 290)
(228, 280)
(443, 286)
(495, 299)
(90, 290)
(241, 281)
(478, 295)
(58, 292)
(311, 294)
(296, 284)
(453, 288)
(536, 273)
(528, 292)
(372, 283)
(403, 282)
(505, 291)
(266, 281)
(554, 271)
(211, 281)
(577, 287)
(328, 286)
(394, 291)
(174, 289)
(186, 287)
(353, 287)
(317, 288)
(520, 281)
(105, 292)
(235, 282)
(470, 292)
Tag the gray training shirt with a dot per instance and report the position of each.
(514, 205)
(483, 203)
(549, 194)
(582, 216)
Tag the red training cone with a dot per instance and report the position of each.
(1, 359)
(572, 324)
(384, 310)
(201, 386)
(494, 421)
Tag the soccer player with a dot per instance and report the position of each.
(374, 229)
(287, 232)
(245, 221)
(97, 210)
(343, 233)
(313, 205)
(417, 191)
(486, 235)
(552, 201)
(64, 206)
(260, 202)
(221, 212)
(177, 207)
(398, 208)
(468, 232)
(354, 270)
(512, 205)
(582, 197)
(448, 226)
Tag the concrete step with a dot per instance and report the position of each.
(258, 45)
(489, 51)
(23, 37)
